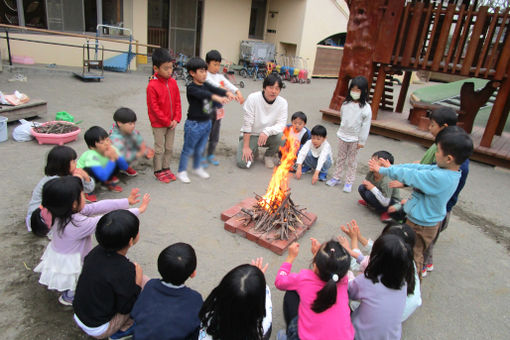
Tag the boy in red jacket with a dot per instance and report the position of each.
(164, 107)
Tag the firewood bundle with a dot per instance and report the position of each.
(56, 128)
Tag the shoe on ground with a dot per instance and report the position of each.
(183, 177)
(429, 267)
(385, 217)
(281, 335)
(91, 198)
(363, 203)
(123, 335)
(114, 187)
(200, 172)
(169, 174)
(347, 187)
(332, 182)
(114, 180)
(64, 301)
(129, 172)
(161, 176)
(323, 176)
(269, 162)
(203, 163)
(212, 159)
(424, 272)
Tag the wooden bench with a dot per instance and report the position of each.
(35, 107)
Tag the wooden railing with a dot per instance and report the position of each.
(462, 41)
(157, 36)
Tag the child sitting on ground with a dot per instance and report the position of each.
(110, 283)
(413, 301)
(166, 308)
(213, 60)
(198, 124)
(433, 186)
(382, 289)
(239, 307)
(74, 222)
(316, 305)
(164, 108)
(61, 161)
(102, 161)
(127, 140)
(315, 155)
(376, 192)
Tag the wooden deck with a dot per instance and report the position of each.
(397, 126)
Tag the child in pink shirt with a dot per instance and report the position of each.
(321, 293)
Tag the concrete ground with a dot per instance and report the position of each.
(467, 296)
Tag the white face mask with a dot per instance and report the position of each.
(355, 95)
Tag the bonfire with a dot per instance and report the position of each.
(276, 210)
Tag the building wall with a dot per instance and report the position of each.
(225, 24)
(288, 24)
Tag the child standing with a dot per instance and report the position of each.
(433, 186)
(61, 161)
(382, 289)
(315, 154)
(110, 283)
(198, 124)
(127, 140)
(353, 132)
(321, 294)
(164, 108)
(298, 128)
(213, 60)
(102, 161)
(167, 306)
(74, 222)
(376, 191)
(239, 307)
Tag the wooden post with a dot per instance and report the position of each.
(503, 119)
(496, 112)
(379, 88)
(403, 91)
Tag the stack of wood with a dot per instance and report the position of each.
(56, 128)
(282, 218)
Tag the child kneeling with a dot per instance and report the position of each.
(315, 154)
(109, 283)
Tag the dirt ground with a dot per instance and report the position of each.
(466, 296)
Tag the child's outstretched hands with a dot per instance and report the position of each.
(315, 245)
(145, 202)
(220, 99)
(293, 252)
(396, 184)
(351, 230)
(344, 243)
(259, 263)
(134, 196)
(79, 172)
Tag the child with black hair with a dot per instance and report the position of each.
(315, 155)
(128, 141)
(166, 308)
(352, 134)
(413, 301)
(239, 307)
(433, 186)
(73, 223)
(376, 192)
(109, 282)
(297, 128)
(321, 294)
(382, 289)
(215, 78)
(61, 161)
(164, 109)
(200, 96)
(102, 161)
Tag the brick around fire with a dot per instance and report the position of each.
(234, 222)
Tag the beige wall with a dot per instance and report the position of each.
(225, 24)
(288, 24)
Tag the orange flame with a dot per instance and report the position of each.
(279, 184)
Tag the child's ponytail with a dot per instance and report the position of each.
(332, 262)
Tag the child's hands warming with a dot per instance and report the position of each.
(315, 177)
(344, 243)
(78, 172)
(293, 252)
(145, 202)
(259, 263)
(133, 196)
(396, 184)
(349, 230)
(367, 184)
(219, 99)
(373, 165)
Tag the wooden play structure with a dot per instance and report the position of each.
(387, 37)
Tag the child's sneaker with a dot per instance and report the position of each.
(91, 198)
(129, 172)
(385, 217)
(114, 187)
(332, 182)
(64, 300)
(161, 176)
(183, 177)
(305, 169)
(169, 174)
(363, 203)
(424, 272)
(200, 172)
(123, 335)
(114, 180)
(203, 163)
(347, 187)
(429, 267)
(269, 162)
(323, 176)
(212, 159)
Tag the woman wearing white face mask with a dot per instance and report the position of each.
(352, 134)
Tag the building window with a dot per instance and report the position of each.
(257, 19)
